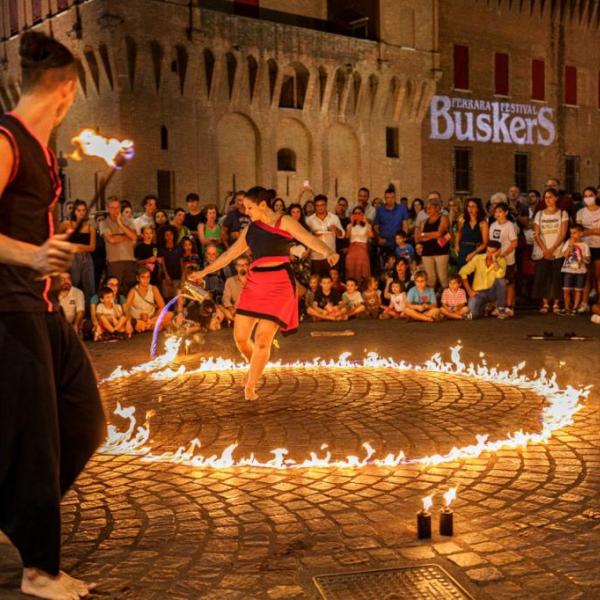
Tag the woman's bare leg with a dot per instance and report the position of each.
(242, 335)
(263, 339)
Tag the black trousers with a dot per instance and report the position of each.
(51, 422)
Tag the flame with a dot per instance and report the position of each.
(427, 503)
(90, 143)
(561, 406)
(449, 496)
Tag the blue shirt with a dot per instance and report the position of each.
(406, 251)
(390, 221)
(427, 296)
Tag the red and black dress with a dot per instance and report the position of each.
(270, 291)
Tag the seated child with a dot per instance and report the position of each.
(403, 249)
(336, 282)
(372, 297)
(454, 300)
(311, 290)
(421, 303)
(352, 299)
(575, 266)
(112, 322)
(397, 306)
(326, 304)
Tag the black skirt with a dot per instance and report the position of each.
(547, 279)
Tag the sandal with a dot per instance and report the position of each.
(557, 310)
(544, 310)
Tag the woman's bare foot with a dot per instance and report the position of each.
(250, 392)
(60, 587)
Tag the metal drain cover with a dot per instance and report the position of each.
(424, 582)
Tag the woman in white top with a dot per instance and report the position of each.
(549, 231)
(359, 232)
(589, 217)
(144, 303)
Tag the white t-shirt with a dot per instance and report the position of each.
(398, 301)
(140, 222)
(590, 219)
(360, 233)
(72, 303)
(320, 228)
(549, 225)
(505, 234)
(577, 259)
(353, 299)
(114, 313)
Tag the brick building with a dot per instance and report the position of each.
(221, 94)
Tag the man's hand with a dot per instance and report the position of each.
(197, 277)
(471, 293)
(54, 256)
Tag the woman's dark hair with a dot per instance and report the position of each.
(306, 204)
(160, 235)
(395, 271)
(550, 191)
(164, 212)
(278, 199)
(299, 207)
(480, 210)
(126, 204)
(413, 212)
(259, 194)
(74, 208)
(210, 207)
(45, 61)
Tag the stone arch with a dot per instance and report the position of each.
(342, 161)
(293, 135)
(252, 65)
(294, 86)
(272, 71)
(231, 64)
(209, 69)
(157, 55)
(238, 152)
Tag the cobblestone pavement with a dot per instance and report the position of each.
(527, 522)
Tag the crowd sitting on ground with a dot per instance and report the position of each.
(427, 261)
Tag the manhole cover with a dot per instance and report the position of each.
(425, 582)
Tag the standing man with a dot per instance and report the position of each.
(236, 220)
(327, 227)
(72, 302)
(51, 418)
(146, 219)
(194, 216)
(362, 200)
(120, 238)
(389, 220)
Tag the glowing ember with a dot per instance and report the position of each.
(449, 496)
(561, 406)
(90, 143)
(427, 503)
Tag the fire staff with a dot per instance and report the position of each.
(268, 301)
(51, 418)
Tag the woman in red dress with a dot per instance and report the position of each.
(268, 301)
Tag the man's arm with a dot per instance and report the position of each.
(130, 233)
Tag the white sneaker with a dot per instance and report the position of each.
(584, 307)
(595, 319)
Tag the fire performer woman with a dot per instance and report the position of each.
(51, 418)
(268, 300)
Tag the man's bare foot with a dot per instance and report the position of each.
(60, 587)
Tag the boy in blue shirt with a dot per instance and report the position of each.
(403, 248)
(421, 301)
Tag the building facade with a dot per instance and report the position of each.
(462, 96)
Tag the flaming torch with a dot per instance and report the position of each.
(114, 152)
(424, 519)
(446, 515)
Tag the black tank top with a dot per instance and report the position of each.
(26, 215)
(432, 247)
(81, 238)
(267, 241)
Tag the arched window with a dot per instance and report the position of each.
(252, 73)
(272, 67)
(293, 88)
(209, 68)
(164, 138)
(322, 84)
(340, 84)
(286, 160)
(231, 62)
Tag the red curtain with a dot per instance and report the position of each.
(538, 80)
(461, 67)
(501, 74)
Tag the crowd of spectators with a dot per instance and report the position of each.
(425, 260)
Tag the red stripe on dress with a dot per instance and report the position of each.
(17, 156)
(270, 229)
(270, 259)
